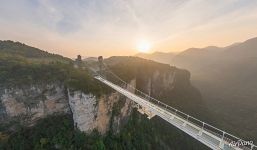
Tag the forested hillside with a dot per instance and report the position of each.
(19, 69)
(17, 49)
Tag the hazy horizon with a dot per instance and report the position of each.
(116, 27)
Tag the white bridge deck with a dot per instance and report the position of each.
(210, 136)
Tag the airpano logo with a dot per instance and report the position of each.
(240, 143)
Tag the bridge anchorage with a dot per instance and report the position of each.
(207, 134)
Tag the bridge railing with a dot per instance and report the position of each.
(224, 136)
(229, 138)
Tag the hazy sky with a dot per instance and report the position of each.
(115, 27)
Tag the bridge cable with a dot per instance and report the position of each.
(173, 109)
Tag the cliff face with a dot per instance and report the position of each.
(108, 111)
(89, 112)
(30, 103)
(164, 82)
(105, 112)
(174, 88)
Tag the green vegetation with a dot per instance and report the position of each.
(54, 132)
(130, 67)
(21, 66)
(138, 134)
(21, 73)
(27, 66)
(28, 52)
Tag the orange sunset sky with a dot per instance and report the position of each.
(126, 27)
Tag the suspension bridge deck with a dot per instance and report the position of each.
(212, 137)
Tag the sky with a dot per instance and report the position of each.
(118, 27)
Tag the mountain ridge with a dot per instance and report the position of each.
(227, 80)
(11, 48)
(215, 49)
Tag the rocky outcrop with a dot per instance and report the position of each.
(103, 113)
(32, 103)
(83, 108)
(90, 112)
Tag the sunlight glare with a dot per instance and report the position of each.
(143, 47)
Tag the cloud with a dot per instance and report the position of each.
(117, 22)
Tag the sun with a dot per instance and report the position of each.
(144, 46)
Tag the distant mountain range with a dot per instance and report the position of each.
(184, 58)
(226, 77)
(158, 56)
